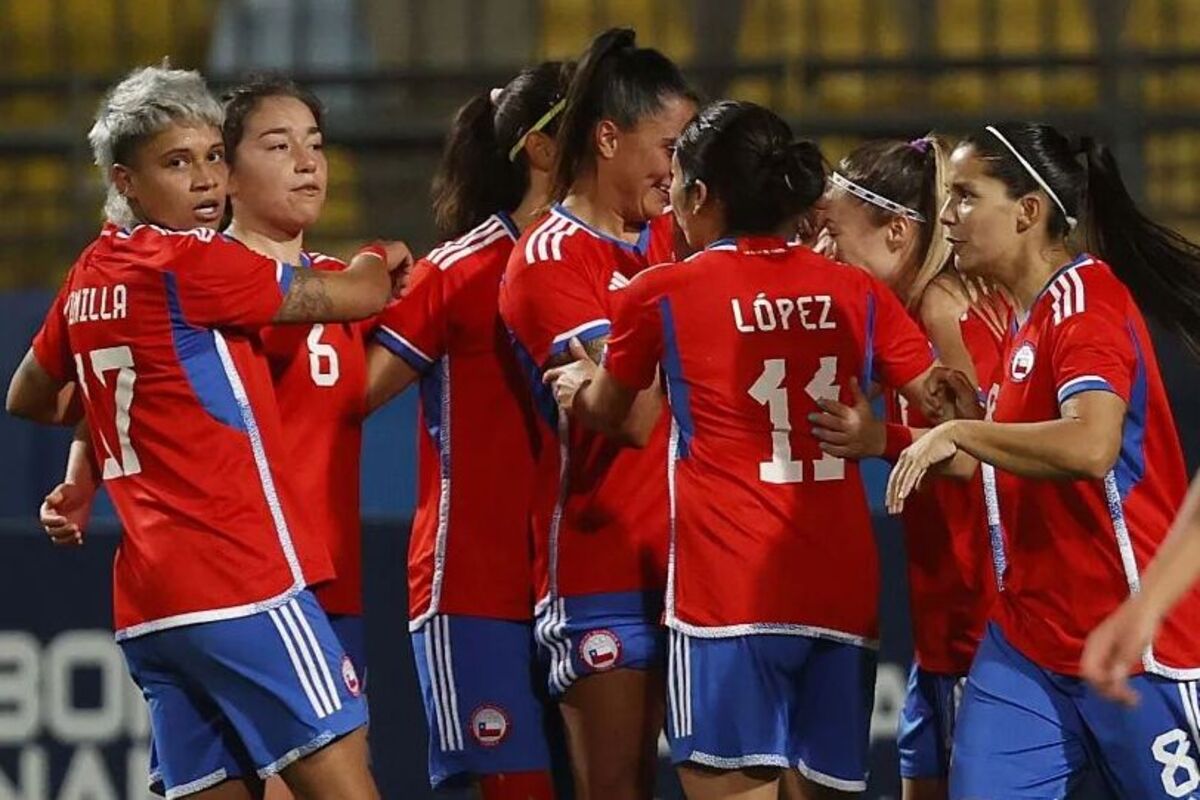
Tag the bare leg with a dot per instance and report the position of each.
(925, 788)
(338, 771)
(795, 786)
(706, 783)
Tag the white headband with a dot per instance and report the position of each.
(1071, 221)
(842, 182)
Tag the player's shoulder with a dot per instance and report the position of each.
(492, 238)
(1084, 288)
(556, 237)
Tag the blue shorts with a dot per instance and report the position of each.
(483, 697)
(591, 633)
(351, 631)
(1027, 732)
(244, 696)
(775, 701)
(927, 723)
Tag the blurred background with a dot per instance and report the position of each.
(391, 73)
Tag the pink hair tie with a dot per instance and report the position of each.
(921, 145)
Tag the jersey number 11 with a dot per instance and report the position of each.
(769, 390)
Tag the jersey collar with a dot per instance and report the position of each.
(643, 242)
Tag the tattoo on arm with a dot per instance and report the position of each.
(594, 348)
(307, 299)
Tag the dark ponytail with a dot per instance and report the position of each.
(615, 80)
(1159, 266)
(747, 157)
(476, 177)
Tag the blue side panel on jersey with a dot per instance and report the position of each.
(196, 350)
(543, 395)
(1131, 463)
(677, 390)
(431, 402)
(869, 356)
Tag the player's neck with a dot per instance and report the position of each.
(278, 245)
(592, 202)
(535, 201)
(1034, 271)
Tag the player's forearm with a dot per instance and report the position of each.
(642, 417)
(1176, 566)
(34, 395)
(82, 469)
(1061, 449)
(357, 292)
(387, 376)
(603, 405)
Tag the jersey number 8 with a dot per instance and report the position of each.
(769, 390)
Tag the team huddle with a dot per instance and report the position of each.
(646, 351)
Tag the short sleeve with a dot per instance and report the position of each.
(413, 328)
(51, 346)
(1093, 350)
(221, 283)
(546, 304)
(634, 347)
(900, 352)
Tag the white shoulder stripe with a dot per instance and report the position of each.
(451, 259)
(546, 242)
(1068, 294)
(472, 237)
(531, 241)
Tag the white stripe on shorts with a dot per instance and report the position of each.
(307, 657)
(319, 655)
(296, 665)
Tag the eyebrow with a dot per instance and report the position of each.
(284, 131)
(178, 151)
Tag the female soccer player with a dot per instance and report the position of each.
(156, 324)
(470, 565)
(773, 591)
(881, 213)
(600, 517)
(1089, 470)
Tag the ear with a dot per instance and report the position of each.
(1030, 209)
(122, 179)
(699, 195)
(898, 232)
(540, 150)
(607, 136)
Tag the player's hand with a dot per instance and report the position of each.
(849, 431)
(1115, 646)
(397, 259)
(64, 514)
(568, 379)
(949, 394)
(915, 461)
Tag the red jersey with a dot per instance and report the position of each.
(951, 576)
(469, 552)
(770, 535)
(320, 376)
(600, 512)
(160, 329)
(1076, 548)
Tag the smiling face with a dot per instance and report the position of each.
(637, 161)
(177, 178)
(279, 173)
(981, 219)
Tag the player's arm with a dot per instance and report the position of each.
(357, 292)
(589, 393)
(65, 511)
(387, 376)
(36, 395)
(1117, 644)
(631, 423)
(1083, 443)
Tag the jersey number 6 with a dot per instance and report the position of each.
(769, 390)
(322, 358)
